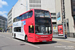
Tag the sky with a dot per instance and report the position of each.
(5, 6)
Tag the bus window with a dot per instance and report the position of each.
(42, 13)
(17, 29)
(47, 14)
(31, 29)
(18, 18)
(40, 29)
(14, 20)
(23, 17)
(26, 16)
(30, 14)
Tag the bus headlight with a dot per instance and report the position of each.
(36, 36)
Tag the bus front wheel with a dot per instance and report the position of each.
(26, 38)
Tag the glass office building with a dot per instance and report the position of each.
(3, 24)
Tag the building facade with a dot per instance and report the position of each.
(9, 21)
(66, 8)
(3, 24)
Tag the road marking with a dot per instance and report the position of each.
(32, 45)
(16, 40)
(67, 41)
(3, 36)
(20, 41)
(27, 43)
(55, 39)
(59, 44)
(62, 40)
(8, 37)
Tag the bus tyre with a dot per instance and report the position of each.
(26, 38)
(14, 36)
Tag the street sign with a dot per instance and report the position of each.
(58, 16)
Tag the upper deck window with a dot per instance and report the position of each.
(30, 14)
(27, 15)
(42, 13)
(23, 16)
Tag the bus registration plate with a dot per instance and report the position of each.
(44, 41)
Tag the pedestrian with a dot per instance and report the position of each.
(65, 34)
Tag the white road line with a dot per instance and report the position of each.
(59, 44)
(63, 40)
(56, 39)
(16, 40)
(3, 36)
(26, 43)
(32, 45)
(8, 37)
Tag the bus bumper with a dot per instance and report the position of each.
(42, 40)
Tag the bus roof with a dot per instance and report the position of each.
(32, 10)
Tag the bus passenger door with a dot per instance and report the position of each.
(31, 33)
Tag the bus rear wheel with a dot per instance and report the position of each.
(14, 36)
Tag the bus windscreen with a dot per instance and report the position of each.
(42, 22)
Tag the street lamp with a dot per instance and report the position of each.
(63, 10)
(64, 21)
(24, 6)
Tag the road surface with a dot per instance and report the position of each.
(9, 43)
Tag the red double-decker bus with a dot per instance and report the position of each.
(34, 25)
